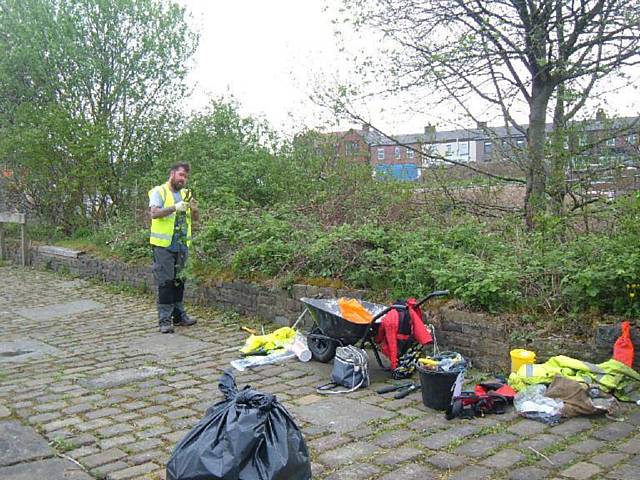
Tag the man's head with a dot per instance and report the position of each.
(178, 175)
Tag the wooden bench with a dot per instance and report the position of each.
(21, 218)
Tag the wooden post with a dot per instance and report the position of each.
(23, 242)
(21, 218)
(1, 241)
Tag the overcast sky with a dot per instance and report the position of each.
(268, 55)
(265, 53)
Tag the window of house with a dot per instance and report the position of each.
(397, 152)
(351, 148)
(449, 149)
(632, 139)
(582, 140)
(381, 154)
(611, 142)
(488, 147)
(520, 142)
(410, 153)
(463, 148)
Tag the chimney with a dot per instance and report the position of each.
(430, 132)
(365, 127)
(600, 115)
(481, 125)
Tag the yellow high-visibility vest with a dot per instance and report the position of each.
(162, 228)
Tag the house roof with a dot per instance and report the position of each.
(374, 137)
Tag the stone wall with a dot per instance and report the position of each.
(482, 338)
(486, 340)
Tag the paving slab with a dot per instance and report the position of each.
(353, 472)
(163, 345)
(116, 396)
(20, 444)
(625, 472)
(25, 350)
(59, 310)
(122, 377)
(413, 471)
(581, 471)
(49, 469)
(348, 454)
(340, 414)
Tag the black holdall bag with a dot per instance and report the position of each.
(350, 370)
(249, 435)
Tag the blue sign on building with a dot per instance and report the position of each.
(403, 172)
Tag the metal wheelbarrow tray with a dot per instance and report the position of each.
(331, 330)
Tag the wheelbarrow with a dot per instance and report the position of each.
(331, 330)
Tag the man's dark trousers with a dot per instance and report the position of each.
(167, 267)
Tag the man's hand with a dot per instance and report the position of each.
(181, 206)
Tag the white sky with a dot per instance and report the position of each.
(265, 54)
(269, 53)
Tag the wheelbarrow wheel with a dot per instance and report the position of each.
(322, 350)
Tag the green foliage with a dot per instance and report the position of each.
(238, 160)
(124, 239)
(90, 91)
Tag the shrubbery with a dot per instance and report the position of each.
(288, 211)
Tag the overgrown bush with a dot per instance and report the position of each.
(288, 211)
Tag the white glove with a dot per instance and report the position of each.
(182, 206)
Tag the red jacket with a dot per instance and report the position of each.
(388, 335)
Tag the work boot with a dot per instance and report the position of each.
(180, 316)
(166, 328)
(164, 317)
(185, 321)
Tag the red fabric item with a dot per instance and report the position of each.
(623, 348)
(419, 330)
(387, 336)
(505, 390)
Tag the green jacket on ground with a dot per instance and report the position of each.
(611, 376)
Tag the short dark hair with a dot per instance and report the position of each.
(177, 166)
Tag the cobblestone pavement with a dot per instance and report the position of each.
(88, 389)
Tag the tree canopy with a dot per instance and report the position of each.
(90, 90)
(535, 55)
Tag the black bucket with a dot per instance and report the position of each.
(437, 387)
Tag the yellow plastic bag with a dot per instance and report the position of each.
(352, 310)
(272, 341)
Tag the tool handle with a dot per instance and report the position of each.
(387, 389)
(391, 388)
(406, 392)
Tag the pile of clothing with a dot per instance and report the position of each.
(612, 376)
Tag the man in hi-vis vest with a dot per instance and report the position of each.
(171, 209)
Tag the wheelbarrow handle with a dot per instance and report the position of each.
(437, 293)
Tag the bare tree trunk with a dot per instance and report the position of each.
(557, 175)
(535, 198)
(559, 155)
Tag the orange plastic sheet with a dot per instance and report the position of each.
(352, 310)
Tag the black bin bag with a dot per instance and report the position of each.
(247, 436)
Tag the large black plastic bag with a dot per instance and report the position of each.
(247, 436)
